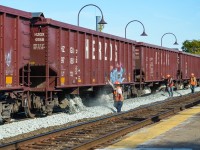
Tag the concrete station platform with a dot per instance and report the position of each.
(180, 132)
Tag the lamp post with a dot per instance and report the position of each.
(175, 43)
(102, 19)
(143, 34)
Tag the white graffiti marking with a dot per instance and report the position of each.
(8, 59)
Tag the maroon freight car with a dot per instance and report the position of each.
(14, 48)
(189, 63)
(14, 57)
(73, 60)
(153, 63)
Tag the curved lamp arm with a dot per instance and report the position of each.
(143, 34)
(102, 19)
(175, 43)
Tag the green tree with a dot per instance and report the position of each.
(191, 46)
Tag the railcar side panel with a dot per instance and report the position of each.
(107, 64)
(40, 57)
(80, 61)
(63, 57)
(100, 52)
(78, 57)
(14, 46)
(189, 63)
(39, 45)
(87, 57)
(94, 61)
(156, 62)
(72, 60)
(129, 62)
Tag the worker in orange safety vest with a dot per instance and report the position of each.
(170, 85)
(193, 82)
(118, 97)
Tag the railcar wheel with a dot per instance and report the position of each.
(27, 110)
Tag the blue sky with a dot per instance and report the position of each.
(180, 17)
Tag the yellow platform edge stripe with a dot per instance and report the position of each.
(148, 133)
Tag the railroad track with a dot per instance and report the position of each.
(90, 135)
